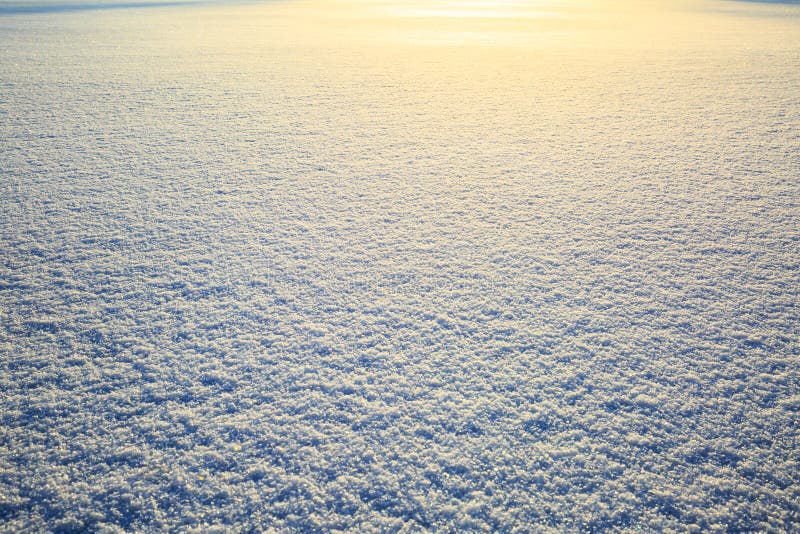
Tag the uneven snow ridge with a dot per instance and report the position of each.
(255, 275)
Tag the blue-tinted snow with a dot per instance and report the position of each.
(262, 269)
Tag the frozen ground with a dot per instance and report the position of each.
(384, 266)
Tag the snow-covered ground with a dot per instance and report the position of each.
(380, 266)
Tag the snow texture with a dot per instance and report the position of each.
(315, 266)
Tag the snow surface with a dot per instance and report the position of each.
(376, 266)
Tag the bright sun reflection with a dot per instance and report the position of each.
(461, 22)
(473, 9)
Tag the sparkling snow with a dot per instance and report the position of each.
(384, 266)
